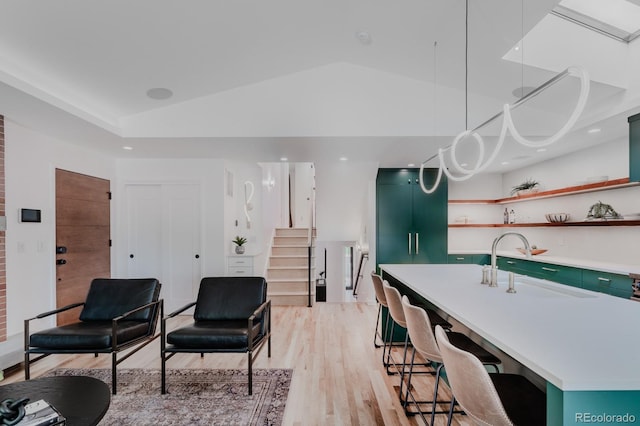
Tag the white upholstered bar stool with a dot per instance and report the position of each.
(394, 302)
(424, 342)
(490, 399)
(382, 301)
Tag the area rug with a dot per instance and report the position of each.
(195, 397)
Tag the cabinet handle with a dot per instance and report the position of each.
(409, 242)
(544, 268)
(511, 262)
(417, 243)
(459, 258)
(606, 280)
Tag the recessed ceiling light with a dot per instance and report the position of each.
(343, 158)
(464, 164)
(411, 165)
(516, 48)
(594, 130)
(159, 93)
(283, 158)
(364, 37)
(127, 148)
(504, 163)
(541, 149)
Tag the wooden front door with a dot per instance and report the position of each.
(83, 249)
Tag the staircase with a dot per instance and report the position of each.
(287, 273)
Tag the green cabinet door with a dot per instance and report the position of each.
(606, 282)
(411, 225)
(393, 223)
(430, 220)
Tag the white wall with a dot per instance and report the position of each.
(235, 222)
(606, 244)
(30, 162)
(209, 174)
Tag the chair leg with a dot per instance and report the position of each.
(250, 374)
(163, 376)
(453, 402)
(27, 366)
(385, 339)
(114, 374)
(378, 320)
(405, 403)
(387, 363)
(404, 361)
(435, 394)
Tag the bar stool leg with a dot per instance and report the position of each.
(378, 321)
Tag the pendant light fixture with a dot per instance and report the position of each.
(461, 171)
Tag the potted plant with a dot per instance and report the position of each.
(239, 242)
(527, 187)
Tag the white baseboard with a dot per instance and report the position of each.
(11, 351)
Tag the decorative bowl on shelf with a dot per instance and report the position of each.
(557, 217)
(533, 251)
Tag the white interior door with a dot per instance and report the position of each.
(144, 231)
(182, 249)
(163, 223)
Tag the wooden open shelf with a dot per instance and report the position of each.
(560, 192)
(614, 222)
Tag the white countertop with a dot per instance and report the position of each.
(574, 338)
(614, 268)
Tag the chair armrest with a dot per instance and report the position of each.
(114, 322)
(44, 315)
(264, 309)
(260, 309)
(179, 311)
(133, 311)
(56, 311)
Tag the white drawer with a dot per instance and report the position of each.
(240, 261)
(237, 271)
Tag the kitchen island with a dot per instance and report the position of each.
(584, 344)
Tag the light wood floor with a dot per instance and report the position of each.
(338, 374)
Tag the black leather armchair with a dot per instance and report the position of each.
(231, 314)
(117, 314)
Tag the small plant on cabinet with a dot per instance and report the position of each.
(239, 242)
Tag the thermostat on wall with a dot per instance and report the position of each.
(29, 215)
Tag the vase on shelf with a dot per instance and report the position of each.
(239, 249)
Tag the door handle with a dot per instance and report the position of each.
(61, 262)
(409, 242)
(417, 243)
(131, 256)
(197, 256)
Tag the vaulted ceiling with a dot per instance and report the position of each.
(307, 79)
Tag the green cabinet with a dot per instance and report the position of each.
(411, 226)
(603, 282)
(634, 148)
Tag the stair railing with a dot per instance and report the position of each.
(310, 248)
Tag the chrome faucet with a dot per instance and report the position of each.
(493, 280)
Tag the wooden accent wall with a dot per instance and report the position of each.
(3, 258)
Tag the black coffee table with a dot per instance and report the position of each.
(82, 400)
